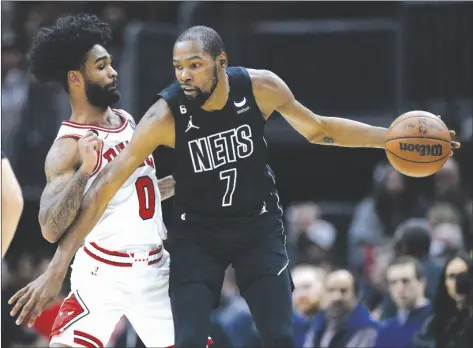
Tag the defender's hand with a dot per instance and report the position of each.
(166, 187)
(89, 148)
(35, 297)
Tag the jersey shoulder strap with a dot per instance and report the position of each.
(241, 86)
(69, 131)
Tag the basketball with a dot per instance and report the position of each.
(417, 144)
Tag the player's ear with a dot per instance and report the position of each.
(74, 77)
(222, 60)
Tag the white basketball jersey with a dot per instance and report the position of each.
(133, 217)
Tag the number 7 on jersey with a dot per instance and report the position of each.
(230, 176)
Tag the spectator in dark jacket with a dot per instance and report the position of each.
(412, 238)
(346, 322)
(406, 287)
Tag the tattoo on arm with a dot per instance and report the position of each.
(328, 140)
(59, 213)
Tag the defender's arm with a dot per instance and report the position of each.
(156, 128)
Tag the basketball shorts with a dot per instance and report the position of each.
(105, 285)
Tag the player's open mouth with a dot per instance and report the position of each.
(189, 91)
(113, 85)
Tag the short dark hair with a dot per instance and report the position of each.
(63, 47)
(406, 260)
(210, 39)
(412, 238)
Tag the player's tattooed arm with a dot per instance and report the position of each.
(155, 128)
(69, 164)
(63, 193)
(273, 94)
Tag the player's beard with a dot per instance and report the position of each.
(201, 96)
(101, 96)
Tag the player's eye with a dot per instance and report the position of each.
(178, 67)
(195, 65)
(101, 67)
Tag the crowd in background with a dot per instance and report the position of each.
(407, 279)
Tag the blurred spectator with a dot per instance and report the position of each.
(299, 217)
(315, 245)
(234, 317)
(441, 212)
(346, 322)
(447, 183)
(377, 216)
(450, 315)
(307, 298)
(448, 188)
(413, 238)
(311, 239)
(15, 91)
(447, 240)
(406, 287)
(469, 213)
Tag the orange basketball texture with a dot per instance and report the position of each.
(417, 144)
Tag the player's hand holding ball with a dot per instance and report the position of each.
(89, 148)
(418, 143)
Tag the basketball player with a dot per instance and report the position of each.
(122, 268)
(227, 208)
(12, 204)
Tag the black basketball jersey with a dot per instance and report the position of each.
(222, 159)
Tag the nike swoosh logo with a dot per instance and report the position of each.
(240, 104)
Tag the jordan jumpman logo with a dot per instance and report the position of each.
(190, 125)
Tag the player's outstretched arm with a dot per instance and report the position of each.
(12, 204)
(156, 128)
(272, 93)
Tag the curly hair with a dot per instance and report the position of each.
(63, 47)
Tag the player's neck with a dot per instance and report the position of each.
(219, 97)
(88, 114)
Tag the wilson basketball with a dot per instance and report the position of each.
(417, 144)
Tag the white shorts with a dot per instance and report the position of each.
(102, 292)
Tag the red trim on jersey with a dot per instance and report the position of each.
(110, 252)
(120, 254)
(71, 311)
(156, 251)
(111, 263)
(121, 113)
(99, 128)
(154, 261)
(80, 334)
(83, 343)
(73, 136)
